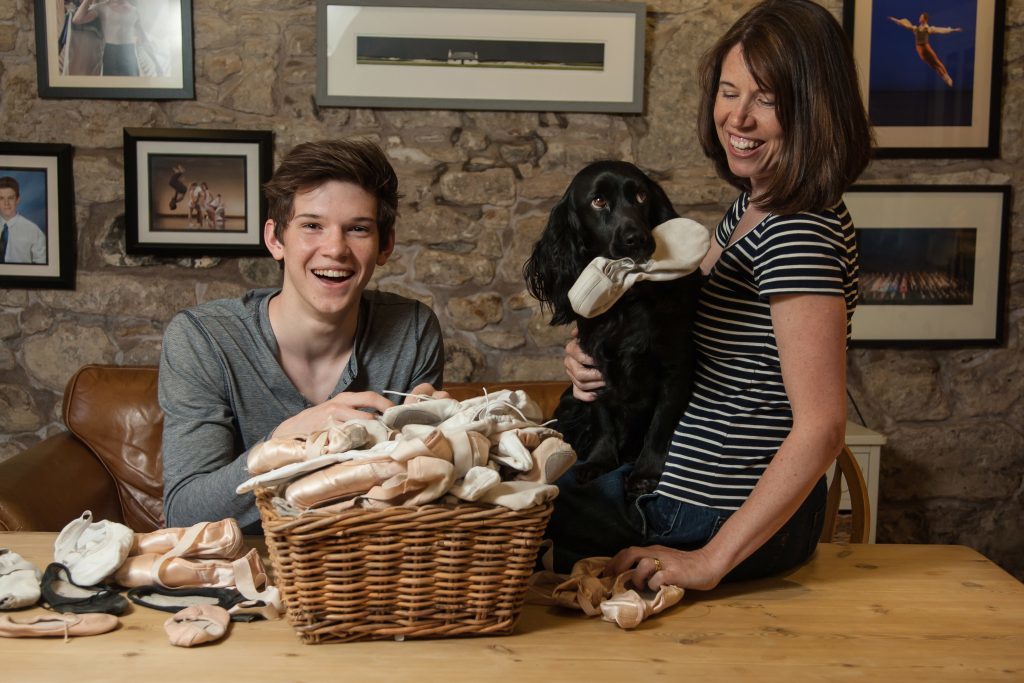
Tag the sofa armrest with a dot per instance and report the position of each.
(48, 485)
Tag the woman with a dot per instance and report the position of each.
(743, 491)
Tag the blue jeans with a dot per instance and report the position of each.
(595, 519)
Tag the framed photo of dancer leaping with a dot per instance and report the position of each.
(115, 49)
(932, 264)
(195, 192)
(931, 74)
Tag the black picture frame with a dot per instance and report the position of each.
(70, 57)
(509, 55)
(161, 218)
(933, 262)
(46, 199)
(916, 111)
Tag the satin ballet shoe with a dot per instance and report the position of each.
(628, 607)
(92, 551)
(180, 572)
(57, 625)
(196, 625)
(274, 453)
(429, 411)
(221, 539)
(551, 459)
(61, 594)
(338, 438)
(519, 495)
(475, 483)
(469, 450)
(424, 480)
(431, 444)
(341, 480)
(19, 581)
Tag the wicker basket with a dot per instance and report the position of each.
(425, 572)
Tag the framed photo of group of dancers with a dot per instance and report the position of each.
(932, 264)
(195, 192)
(115, 49)
(931, 74)
(512, 55)
(37, 216)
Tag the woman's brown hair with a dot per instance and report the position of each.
(796, 50)
(311, 164)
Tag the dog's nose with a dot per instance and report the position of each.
(633, 241)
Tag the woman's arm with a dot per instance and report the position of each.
(85, 13)
(811, 334)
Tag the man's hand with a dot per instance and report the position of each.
(427, 390)
(345, 406)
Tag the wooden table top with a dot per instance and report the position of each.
(859, 612)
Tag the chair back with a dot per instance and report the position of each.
(847, 471)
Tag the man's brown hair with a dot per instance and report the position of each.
(796, 50)
(10, 183)
(311, 164)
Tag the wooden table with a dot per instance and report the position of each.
(858, 612)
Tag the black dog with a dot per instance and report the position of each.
(642, 345)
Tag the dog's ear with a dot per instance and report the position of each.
(661, 206)
(557, 260)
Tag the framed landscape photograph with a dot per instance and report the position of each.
(37, 216)
(521, 55)
(932, 264)
(930, 74)
(195, 192)
(115, 49)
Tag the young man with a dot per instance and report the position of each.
(21, 240)
(283, 361)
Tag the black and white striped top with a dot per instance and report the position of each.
(739, 414)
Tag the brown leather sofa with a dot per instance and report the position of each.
(108, 460)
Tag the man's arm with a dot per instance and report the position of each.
(943, 29)
(902, 22)
(201, 460)
(37, 252)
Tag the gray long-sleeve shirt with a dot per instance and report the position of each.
(223, 391)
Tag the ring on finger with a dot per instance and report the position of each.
(657, 565)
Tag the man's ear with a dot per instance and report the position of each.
(385, 252)
(274, 245)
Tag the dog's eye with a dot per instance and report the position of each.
(599, 202)
(641, 197)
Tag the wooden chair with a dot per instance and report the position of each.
(847, 470)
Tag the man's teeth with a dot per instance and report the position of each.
(743, 143)
(332, 273)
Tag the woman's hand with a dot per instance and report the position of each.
(586, 379)
(686, 569)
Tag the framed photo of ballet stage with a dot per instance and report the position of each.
(932, 264)
(195, 192)
(115, 49)
(37, 216)
(511, 55)
(931, 74)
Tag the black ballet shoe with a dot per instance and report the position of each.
(61, 594)
(177, 599)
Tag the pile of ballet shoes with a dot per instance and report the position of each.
(588, 590)
(487, 449)
(205, 574)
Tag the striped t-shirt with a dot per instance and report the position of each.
(739, 414)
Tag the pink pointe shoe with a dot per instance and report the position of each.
(196, 625)
(222, 539)
(179, 572)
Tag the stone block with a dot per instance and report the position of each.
(51, 359)
(475, 312)
(18, 412)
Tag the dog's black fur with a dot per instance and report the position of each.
(643, 345)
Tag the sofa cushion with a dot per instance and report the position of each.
(114, 411)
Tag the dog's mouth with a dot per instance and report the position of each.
(639, 247)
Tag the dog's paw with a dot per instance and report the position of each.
(638, 486)
(586, 472)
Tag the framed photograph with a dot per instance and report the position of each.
(932, 264)
(37, 216)
(195, 192)
(115, 49)
(930, 73)
(522, 55)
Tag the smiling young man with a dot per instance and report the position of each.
(283, 361)
(21, 240)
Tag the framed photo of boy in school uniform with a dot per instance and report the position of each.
(37, 216)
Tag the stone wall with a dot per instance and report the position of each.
(477, 189)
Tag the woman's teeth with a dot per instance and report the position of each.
(743, 144)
